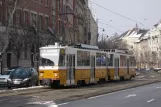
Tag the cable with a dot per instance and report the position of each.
(117, 13)
(110, 26)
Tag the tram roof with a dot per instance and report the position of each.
(87, 47)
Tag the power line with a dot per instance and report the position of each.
(117, 13)
(110, 26)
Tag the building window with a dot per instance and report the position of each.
(59, 4)
(46, 22)
(25, 18)
(47, 2)
(35, 1)
(33, 19)
(9, 56)
(40, 21)
(0, 14)
(25, 51)
(41, 2)
(59, 27)
(18, 17)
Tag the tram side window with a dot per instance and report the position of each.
(83, 58)
(98, 57)
(87, 58)
(79, 58)
(111, 60)
(103, 59)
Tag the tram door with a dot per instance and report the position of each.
(70, 69)
(116, 77)
(92, 74)
(128, 70)
(107, 64)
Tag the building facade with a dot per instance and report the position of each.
(37, 14)
(74, 21)
(147, 47)
(93, 25)
(69, 21)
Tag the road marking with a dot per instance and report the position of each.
(141, 76)
(41, 102)
(2, 90)
(150, 100)
(152, 76)
(63, 104)
(132, 95)
(158, 87)
(18, 89)
(27, 88)
(118, 91)
(47, 103)
(109, 94)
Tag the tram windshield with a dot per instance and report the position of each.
(54, 57)
(46, 62)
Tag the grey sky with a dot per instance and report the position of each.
(134, 9)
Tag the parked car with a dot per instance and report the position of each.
(23, 76)
(5, 75)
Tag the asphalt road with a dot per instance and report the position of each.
(145, 96)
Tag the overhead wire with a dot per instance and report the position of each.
(110, 26)
(117, 13)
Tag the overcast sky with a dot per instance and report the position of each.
(147, 12)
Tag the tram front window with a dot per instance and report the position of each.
(46, 62)
(62, 60)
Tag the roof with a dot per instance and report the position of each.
(135, 32)
(143, 33)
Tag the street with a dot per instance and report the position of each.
(144, 96)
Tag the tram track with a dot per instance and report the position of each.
(67, 90)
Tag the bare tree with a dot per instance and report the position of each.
(18, 41)
(12, 6)
(113, 42)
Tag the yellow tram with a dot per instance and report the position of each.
(83, 64)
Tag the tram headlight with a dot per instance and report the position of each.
(41, 74)
(56, 74)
